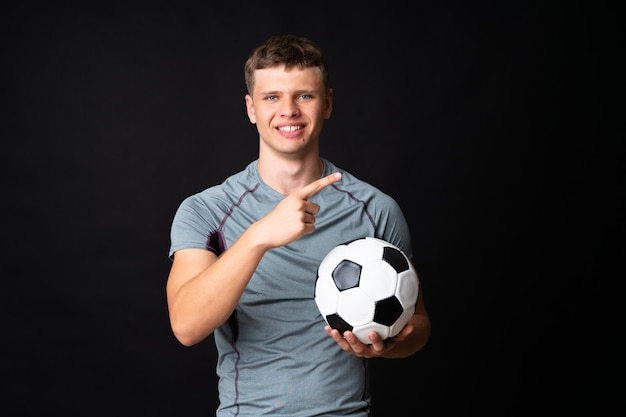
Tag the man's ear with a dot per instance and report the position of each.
(329, 104)
(250, 108)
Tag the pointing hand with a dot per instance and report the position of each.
(294, 216)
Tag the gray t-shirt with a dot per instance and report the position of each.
(274, 357)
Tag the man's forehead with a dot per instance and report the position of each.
(293, 70)
(274, 77)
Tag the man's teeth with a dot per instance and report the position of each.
(289, 128)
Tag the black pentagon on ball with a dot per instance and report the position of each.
(395, 258)
(336, 322)
(346, 275)
(387, 311)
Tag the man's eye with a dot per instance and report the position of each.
(305, 96)
(271, 98)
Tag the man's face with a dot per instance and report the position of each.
(289, 108)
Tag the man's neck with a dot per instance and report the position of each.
(287, 175)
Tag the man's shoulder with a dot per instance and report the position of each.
(232, 186)
(353, 182)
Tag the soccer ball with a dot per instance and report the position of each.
(366, 285)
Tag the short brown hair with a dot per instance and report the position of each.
(289, 50)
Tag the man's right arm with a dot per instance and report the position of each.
(203, 289)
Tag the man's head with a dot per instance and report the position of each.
(288, 50)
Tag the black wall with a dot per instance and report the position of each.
(487, 121)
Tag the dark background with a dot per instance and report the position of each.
(487, 121)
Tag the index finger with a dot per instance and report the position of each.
(318, 185)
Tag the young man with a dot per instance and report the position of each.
(245, 254)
